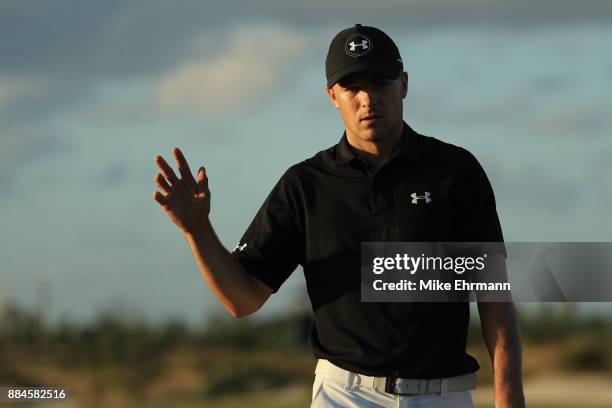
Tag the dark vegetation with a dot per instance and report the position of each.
(163, 361)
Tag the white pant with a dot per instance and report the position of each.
(331, 391)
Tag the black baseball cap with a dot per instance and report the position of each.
(362, 48)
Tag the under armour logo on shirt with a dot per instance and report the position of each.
(240, 247)
(416, 197)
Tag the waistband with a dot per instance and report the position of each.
(393, 385)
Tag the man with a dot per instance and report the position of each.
(382, 182)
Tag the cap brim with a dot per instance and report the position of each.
(384, 70)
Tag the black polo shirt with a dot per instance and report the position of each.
(321, 210)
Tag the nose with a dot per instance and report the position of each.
(368, 97)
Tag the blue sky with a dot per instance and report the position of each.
(89, 94)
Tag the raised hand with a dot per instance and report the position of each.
(185, 200)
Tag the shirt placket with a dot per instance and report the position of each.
(375, 194)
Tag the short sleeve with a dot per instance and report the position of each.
(272, 246)
(476, 218)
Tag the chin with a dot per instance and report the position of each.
(373, 134)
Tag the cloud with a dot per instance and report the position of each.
(21, 146)
(551, 84)
(115, 39)
(72, 40)
(78, 48)
(13, 90)
(516, 109)
(576, 121)
(115, 174)
(255, 61)
(536, 188)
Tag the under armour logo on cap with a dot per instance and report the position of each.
(364, 45)
(358, 45)
(416, 197)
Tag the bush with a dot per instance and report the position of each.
(243, 378)
(588, 354)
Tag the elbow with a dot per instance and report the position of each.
(235, 311)
(235, 314)
(238, 315)
(238, 312)
(250, 304)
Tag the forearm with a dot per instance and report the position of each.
(502, 337)
(236, 289)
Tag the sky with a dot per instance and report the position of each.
(91, 93)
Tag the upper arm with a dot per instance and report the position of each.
(273, 244)
(476, 218)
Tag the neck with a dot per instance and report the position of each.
(380, 151)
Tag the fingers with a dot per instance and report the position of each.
(183, 166)
(202, 178)
(159, 197)
(166, 170)
(162, 184)
(165, 201)
(203, 181)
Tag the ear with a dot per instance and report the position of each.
(332, 96)
(404, 81)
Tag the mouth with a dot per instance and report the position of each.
(370, 118)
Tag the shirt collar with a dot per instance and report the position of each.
(408, 150)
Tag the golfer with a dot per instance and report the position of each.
(381, 182)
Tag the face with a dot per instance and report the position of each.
(370, 105)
